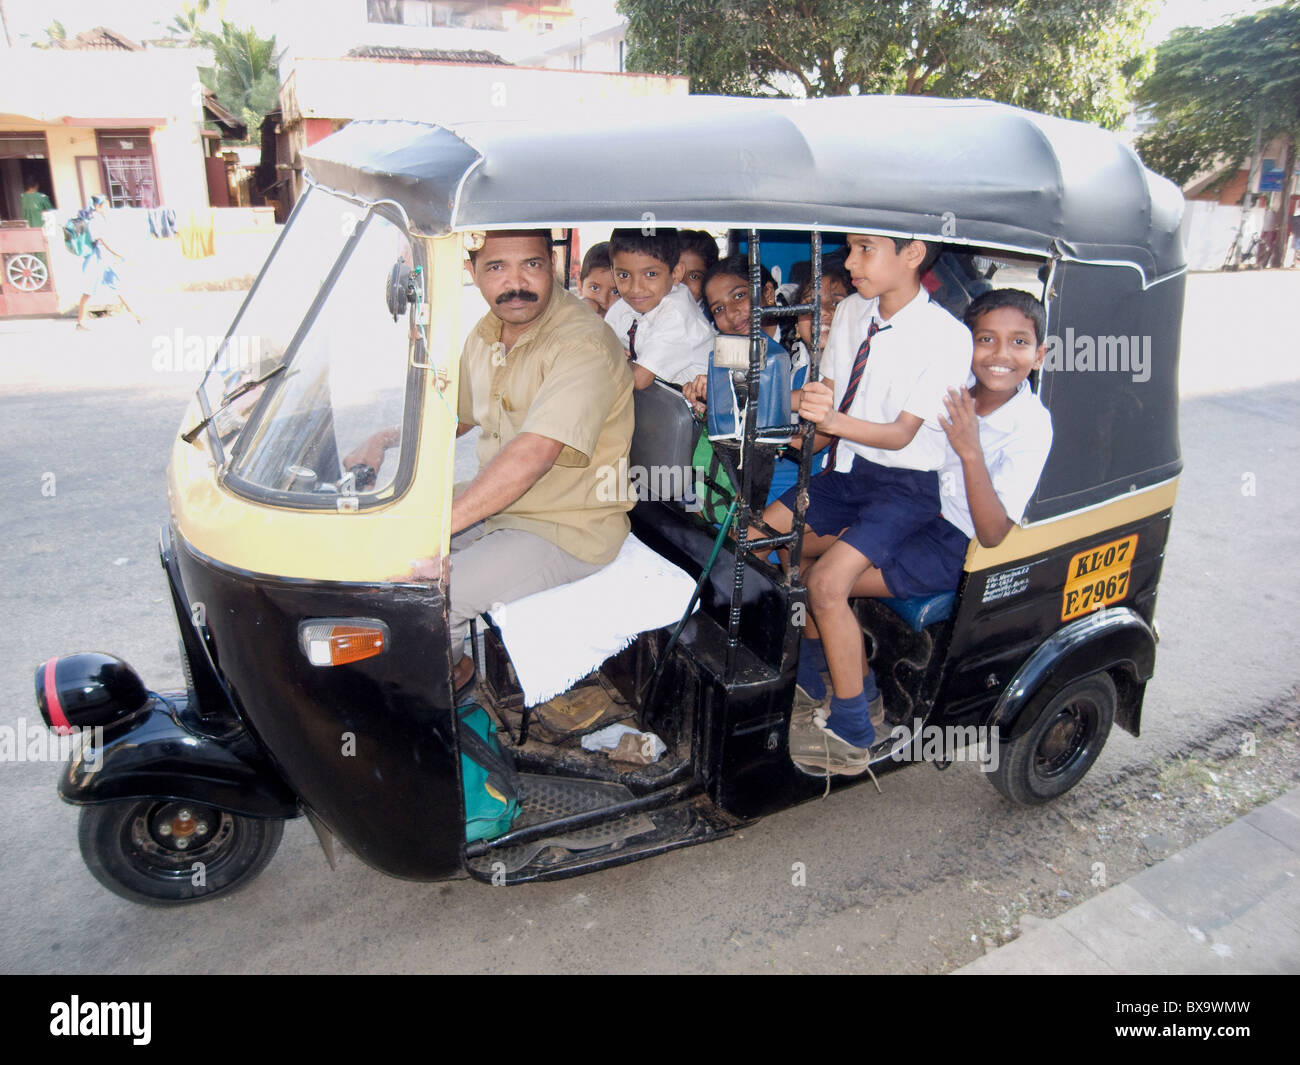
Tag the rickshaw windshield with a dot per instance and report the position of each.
(311, 441)
(265, 327)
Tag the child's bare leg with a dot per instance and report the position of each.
(780, 518)
(126, 307)
(870, 585)
(830, 583)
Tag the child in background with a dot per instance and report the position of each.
(596, 281)
(699, 252)
(786, 470)
(655, 317)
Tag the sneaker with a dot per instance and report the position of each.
(805, 706)
(814, 746)
(877, 711)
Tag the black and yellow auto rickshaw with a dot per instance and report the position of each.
(318, 685)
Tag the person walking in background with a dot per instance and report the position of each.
(97, 272)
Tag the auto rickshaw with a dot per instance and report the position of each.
(318, 685)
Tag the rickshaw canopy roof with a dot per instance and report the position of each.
(962, 171)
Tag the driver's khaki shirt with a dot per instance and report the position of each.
(566, 378)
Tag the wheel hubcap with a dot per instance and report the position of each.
(1065, 740)
(167, 838)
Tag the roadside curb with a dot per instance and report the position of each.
(1228, 904)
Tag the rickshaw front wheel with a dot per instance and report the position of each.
(164, 852)
(1060, 746)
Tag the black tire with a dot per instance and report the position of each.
(1061, 744)
(135, 849)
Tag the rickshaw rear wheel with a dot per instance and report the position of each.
(1061, 745)
(164, 852)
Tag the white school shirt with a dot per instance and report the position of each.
(673, 338)
(919, 354)
(1015, 440)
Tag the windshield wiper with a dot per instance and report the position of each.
(243, 389)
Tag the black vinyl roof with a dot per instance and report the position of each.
(963, 171)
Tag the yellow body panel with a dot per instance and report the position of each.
(374, 544)
(1043, 537)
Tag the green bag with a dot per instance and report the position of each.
(488, 774)
(714, 501)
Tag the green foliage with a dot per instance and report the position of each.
(245, 78)
(1212, 88)
(1075, 58)
(54, 35)
(185, 29)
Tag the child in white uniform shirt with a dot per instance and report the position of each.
(999, 436)
(657, 319)
(891, 357)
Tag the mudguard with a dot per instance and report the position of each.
(1108, 639)
(157, 755)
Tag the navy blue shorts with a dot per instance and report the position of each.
(878, 511)
(930, 561)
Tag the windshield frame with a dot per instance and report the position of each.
(416, 357)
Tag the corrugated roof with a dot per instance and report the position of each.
(427, 55)
(101, 38)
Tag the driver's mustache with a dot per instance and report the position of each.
(517, 294)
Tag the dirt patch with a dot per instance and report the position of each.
(1147, 816)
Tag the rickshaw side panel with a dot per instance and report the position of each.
(1110, 380)
(1010, 610)
(369, 747)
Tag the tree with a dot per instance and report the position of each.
(1075, 58)
(1217, 92)
(185, 29)
(246, 78)
(55, 35)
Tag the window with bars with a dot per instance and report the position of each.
(130, 182)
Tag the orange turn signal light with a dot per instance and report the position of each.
(339, 641)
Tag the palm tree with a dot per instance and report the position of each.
(246, 78)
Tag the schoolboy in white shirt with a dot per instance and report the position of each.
(891, 357)
(657, 319)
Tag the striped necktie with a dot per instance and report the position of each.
(631, 342)
(855, 379)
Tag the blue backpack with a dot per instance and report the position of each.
(76, 234)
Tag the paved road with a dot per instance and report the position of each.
(888, 876)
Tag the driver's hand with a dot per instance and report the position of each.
(371, 451)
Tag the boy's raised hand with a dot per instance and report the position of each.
(962, 424)
(816, 402)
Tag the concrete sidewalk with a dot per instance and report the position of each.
(1229, 904)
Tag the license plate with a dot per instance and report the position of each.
(1097, 577)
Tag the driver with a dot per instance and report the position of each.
(549, 386)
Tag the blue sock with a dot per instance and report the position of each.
(812, 661)
(850, 720)
(869, 689)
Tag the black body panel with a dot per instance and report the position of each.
(165, 753)
(369, 747)
(992, 640)
(1110, 379)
